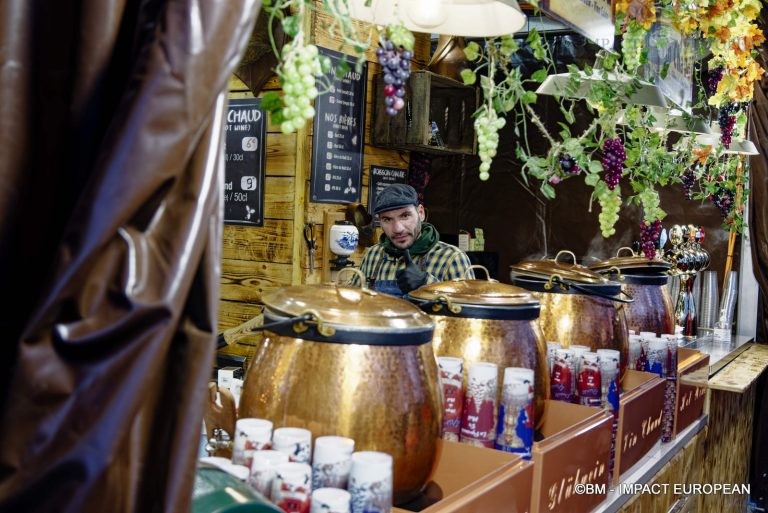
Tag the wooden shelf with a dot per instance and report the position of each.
(429, 98)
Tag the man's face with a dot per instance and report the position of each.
(402, 225)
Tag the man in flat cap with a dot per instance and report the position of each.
(409, 253)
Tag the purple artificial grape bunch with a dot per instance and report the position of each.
(396, 63)
(614, 156)
(713, 78)
(568, 164)
(688, 179)
(649, 238)
(724, 200)
(726, 118)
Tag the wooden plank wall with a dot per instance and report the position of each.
(258, 259)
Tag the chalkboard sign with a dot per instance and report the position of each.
(244, 155)
(380, 177)
(337, 146)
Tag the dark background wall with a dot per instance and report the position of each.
(519, 223)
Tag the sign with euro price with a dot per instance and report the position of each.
(245, 130)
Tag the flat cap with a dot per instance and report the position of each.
(397, 195)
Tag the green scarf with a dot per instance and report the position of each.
(426, 241)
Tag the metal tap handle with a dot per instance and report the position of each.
(220, 439)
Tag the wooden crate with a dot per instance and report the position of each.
(429, 97)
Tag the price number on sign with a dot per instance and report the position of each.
(250, 144)
(249, 183)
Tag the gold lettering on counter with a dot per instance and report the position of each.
(691, 396)
(650, 424)
(563, 490)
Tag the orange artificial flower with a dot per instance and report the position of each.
(702, 154)
(754, 71)
(723, 34)
(642, 11)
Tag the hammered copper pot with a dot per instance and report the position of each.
(578, 306)
(357, 364)
(488, 321)
(652, 308)
(645, 280)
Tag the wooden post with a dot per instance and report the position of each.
(732, 233)
(303, 162)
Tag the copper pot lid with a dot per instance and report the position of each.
(349, 308)
(486, 292)
(477, 299)
(633, 261)
(570, 271)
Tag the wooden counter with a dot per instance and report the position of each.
(714, 450)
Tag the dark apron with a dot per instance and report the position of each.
(389, 286)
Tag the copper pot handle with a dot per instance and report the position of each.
(631, 251)
(313, 316)
(477, 266)
(615, 270)
(555, 279)
(359, 274)
(439, 303)
(299, 324)
(567, 252)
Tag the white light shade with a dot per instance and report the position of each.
(737, 147)
(471, 18)
(666, 120)
(558, 85)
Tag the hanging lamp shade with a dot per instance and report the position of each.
(560, 85)
(743, 147)
(738, 145)
(471, 18)
(667, 120)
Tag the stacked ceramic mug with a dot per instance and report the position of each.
(476, 416)
(331, 479)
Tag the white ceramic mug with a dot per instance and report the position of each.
(292, 486)
(370, 482)
(295, 442)
(263, 470)
(250, 435)
(332, 461)
(330, 500)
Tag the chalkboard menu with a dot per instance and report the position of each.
(244, 155)
(380, 177)
(337, 146)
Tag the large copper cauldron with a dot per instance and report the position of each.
(646, 281)
(351, 362)
(578, 306)
(488, 321)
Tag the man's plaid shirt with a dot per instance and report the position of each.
(442, 262)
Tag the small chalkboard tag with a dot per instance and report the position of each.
(381, 177)
(245, 130)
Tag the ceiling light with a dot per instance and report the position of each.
(561, 85)
(672, 120)
(470, 18)
(738, 146)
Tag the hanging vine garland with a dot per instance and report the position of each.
(604, 154)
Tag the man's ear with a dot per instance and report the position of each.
(422, 213)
